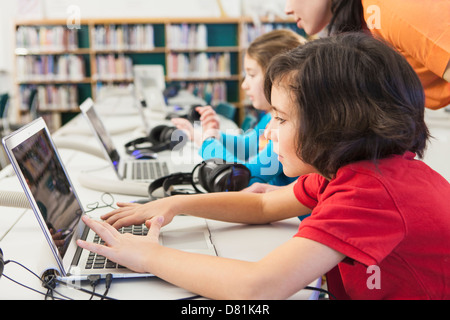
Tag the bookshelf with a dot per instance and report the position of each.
(66, 66)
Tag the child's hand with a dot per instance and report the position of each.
(130, 213)
(209, 118)
(125, 249)
(185, 125)
(210, 122)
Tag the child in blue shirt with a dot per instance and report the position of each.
(250, 148)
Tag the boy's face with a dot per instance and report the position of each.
(283, 130)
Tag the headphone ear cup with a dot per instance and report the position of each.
(239, 177)
(171, 136)
(232, 177)
(204, 172)
(155, 134)
(161, 138)
(166, 134)
(216, 176)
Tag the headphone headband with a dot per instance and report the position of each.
(159, 139)
(168, 182)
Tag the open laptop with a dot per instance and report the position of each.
(150, 82)
(126, 169)
(58, 209)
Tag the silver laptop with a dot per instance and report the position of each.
(58, 209)
(126, 169)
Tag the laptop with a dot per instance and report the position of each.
(126, 169)
(149, 80)
(58, 210)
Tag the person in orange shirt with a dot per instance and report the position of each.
(418, 29)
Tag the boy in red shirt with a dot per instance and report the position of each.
(350, 111)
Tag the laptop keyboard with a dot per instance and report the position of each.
(96, 261)
(146, 170)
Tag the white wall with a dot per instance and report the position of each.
(7, 15)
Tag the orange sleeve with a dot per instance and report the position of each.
(420, 31)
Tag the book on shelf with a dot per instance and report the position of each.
(251, 31)
(199, 65)
(212, 92)
(187, 36)
(110, 67)
(42, 38)
(66, 67)
(50, 97)
(123, 37)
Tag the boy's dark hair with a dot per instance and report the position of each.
(356, 99)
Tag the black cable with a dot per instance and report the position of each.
(50, 282)
(321, 290)
(27, 287)
(85, 291)
(108, 281)
(94, 280)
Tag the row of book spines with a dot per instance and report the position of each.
(199, 65)
(186, 36)
(112, 67)
(51, 97)
(50, 67)
(123, 37)
(212, 92)
(46, 38)
(182, 36)
(251, 32)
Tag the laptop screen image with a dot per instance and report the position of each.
(50, 188)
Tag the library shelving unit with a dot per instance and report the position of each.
(65, 66)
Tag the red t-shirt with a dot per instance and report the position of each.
(393, 217)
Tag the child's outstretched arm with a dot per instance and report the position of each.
(250, 208)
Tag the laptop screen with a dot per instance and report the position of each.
(50, 187)
(104, 137)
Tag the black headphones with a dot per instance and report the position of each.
(161, 138)
(2, 263)
(213, 175)
(192, 115)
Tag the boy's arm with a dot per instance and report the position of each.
(239, 207)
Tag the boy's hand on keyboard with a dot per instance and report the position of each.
(125, 249)
(130, 213)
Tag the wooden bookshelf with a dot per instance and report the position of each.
(223, 42)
